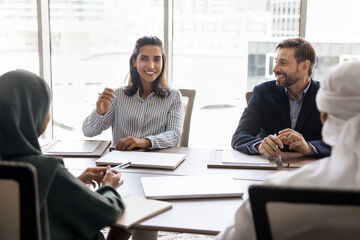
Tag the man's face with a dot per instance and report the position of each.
(286, 69)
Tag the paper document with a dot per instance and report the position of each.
(74, 146)
(182, 187)
(139, 208)
(143, 159)
(231, 156)
(236, 159)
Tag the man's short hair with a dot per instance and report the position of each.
(304, 50)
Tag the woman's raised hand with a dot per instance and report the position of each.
(104, 101)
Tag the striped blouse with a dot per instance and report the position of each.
(158, 119)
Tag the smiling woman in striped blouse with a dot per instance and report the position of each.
(145, 114)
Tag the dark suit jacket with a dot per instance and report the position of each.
(268, 112)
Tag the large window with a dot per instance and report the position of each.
(334, 32)
(221, 48)
(18, 36)
(91, 45)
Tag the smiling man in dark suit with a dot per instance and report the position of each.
(282, 114)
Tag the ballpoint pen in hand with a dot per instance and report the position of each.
(278, 159)
(123, 165)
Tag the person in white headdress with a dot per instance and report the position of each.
(338, 100)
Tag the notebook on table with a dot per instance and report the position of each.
(138, 209)
(185, 187)
(143, 159)
(75, 148)
(236, 159)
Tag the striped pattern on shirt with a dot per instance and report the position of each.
(158, 119)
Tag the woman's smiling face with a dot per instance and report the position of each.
(149, 63)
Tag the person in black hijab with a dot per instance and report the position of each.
(69, 209)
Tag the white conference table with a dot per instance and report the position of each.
(199, 216)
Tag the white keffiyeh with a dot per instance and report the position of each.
(339, 96)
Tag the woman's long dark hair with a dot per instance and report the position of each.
(159, 86)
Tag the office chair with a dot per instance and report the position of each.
(300, 213)
(189, 97)
(19, 202)
(248, 96)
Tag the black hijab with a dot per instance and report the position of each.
(24, 103)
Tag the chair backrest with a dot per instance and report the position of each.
(188, 103)
(300, 213)
(248, 96)
(19, 202)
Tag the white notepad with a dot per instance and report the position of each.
(182, 187)
(236, 159)
(230, 156)
(139, 208)
(74, 146)
(143, 159)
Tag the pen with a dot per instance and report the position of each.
(122, 165)
(278, 160)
